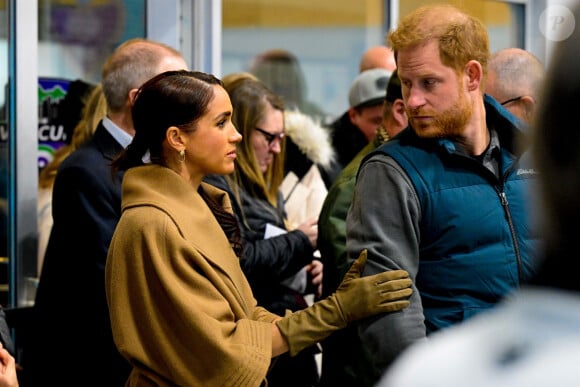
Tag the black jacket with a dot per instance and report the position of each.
(72, 318)
(347, 141)
(267, 262)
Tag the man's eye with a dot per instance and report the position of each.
(429, 82)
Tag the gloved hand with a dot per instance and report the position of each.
(355, 298)
(380, 293)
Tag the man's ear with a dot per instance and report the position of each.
(399, 112)
(529, 107)
(132, 95)
(474, 75)
(352, 115)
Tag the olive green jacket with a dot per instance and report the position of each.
(342, 349)
(332, 219)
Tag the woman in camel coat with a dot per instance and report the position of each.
(181, 309)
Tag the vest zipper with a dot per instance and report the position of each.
(505, 205)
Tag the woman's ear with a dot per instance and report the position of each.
(174, 138)
(474, 75)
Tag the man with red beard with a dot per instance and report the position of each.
(448, 199)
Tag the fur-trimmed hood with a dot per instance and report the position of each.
(310, 137)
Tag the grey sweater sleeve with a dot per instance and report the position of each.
(384, 218)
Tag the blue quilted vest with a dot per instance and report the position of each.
(476, 241)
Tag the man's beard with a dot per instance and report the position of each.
(450, 123)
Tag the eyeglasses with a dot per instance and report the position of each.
(511, 100)
(270, 137)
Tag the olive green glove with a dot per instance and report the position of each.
(355, 298)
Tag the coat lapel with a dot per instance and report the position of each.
(179, 200)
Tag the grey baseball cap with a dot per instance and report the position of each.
(369, 88)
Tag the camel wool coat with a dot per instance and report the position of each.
(182, 311)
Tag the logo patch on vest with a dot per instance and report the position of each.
(529, 171)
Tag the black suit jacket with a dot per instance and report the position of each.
(73, 335)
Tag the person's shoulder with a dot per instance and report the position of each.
(86, 154)
(83, 168)
(347, 177)
(474, 339)
(95, 155)
(217, 181)
(501, 116)
(216, 188)
(341, 123)
(501, 347)
(380, 153)
(404, 142)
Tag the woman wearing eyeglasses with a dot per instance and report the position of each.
(277, 261)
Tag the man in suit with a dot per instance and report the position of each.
(73, 339)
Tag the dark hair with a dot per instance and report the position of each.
(393, 89)
(556, 144)
(173, 98)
